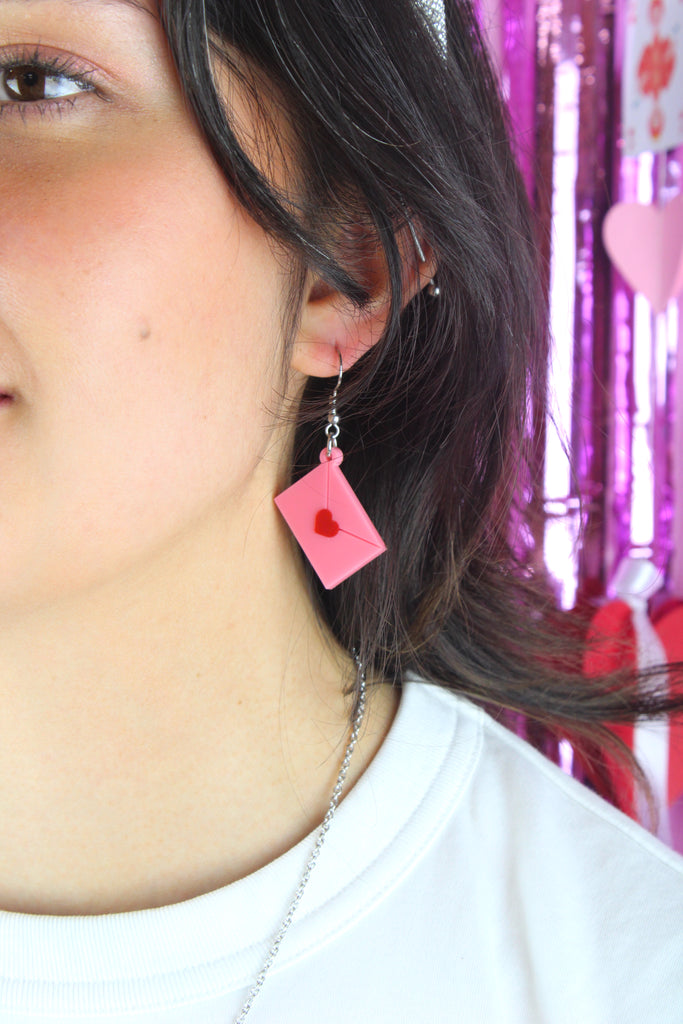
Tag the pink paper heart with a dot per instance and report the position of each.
(645, 243)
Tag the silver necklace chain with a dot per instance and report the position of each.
(315, 853)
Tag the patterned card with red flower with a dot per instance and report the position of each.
(652, 78)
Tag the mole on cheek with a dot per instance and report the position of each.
(145, 332)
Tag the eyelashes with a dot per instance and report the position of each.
(33, 83)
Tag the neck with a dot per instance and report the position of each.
(169, 730)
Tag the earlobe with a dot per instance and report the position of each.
(332, 326)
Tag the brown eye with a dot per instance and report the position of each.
(28, 83)
(25, 83)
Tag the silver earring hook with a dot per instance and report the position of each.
(339, 378)
(332, 428)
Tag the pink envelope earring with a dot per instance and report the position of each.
(322, 511)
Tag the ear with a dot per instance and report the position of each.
(331, 326)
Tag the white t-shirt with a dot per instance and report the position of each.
(465, 879)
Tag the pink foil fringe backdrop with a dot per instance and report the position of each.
(560, 65)
(611, 474)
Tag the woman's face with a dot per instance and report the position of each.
(140, 309)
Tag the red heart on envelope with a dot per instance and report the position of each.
(645, 244)
(325, 524)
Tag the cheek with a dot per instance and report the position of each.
(145, 310)
(143, 250)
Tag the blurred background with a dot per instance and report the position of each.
(595, 91)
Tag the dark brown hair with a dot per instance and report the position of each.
(436, 417)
